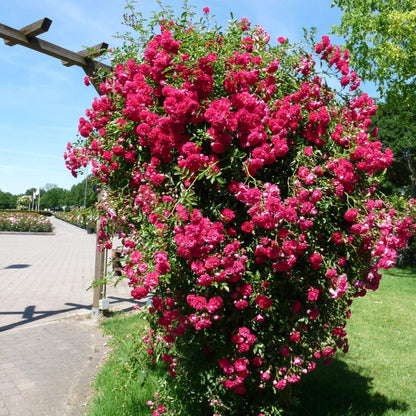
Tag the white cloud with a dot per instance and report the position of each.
(87, 18)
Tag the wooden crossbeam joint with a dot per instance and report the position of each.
(34, 29)
(90, 53)
(72, 58)
(94, 51)
(26, 37)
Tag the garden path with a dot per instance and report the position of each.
(49, 346)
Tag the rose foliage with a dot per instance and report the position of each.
(244, 190)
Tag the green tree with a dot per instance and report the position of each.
(7, 200)
(30, 191)
(381, 35)
(82, 194)
(397, 130)
(52, 197)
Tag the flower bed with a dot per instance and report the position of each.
(83, 218)
(24, 222)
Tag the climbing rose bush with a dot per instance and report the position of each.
(244, 190)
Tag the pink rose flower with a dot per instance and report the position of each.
(313, 294)
(316, 260)
(351, 215)
(197, 302)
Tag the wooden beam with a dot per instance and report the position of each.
(72, 58)
(91, 72)
(34, 29)
(98, 66)
(10, 34)
(92, 52)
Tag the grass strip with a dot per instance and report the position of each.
(126, 381)
(376, 378)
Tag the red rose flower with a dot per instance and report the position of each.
(263, 301)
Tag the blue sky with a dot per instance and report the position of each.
(42, 100)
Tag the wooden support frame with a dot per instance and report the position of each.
(92, 52)
(34, 29)
(27, 37)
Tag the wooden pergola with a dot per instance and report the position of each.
(28, 37)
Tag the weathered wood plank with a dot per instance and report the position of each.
(14, 35)
(68, 58)
(34, 29)
(92, 52)
(99, 66)
(65, 55)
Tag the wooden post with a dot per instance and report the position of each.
(98, 291)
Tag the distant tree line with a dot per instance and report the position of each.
(54, 198)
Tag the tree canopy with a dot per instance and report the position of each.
(381, 36)
(54, 197)
(397, 130)
(7, 200)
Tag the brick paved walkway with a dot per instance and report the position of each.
(50, 348)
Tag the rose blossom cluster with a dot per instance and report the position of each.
(245, 195)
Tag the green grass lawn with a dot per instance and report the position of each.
(376, 378)
(378, 375)
(124, 384)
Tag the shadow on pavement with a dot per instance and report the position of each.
(29, 314)
(17, 266)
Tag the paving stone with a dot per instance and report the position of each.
(50, 348)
